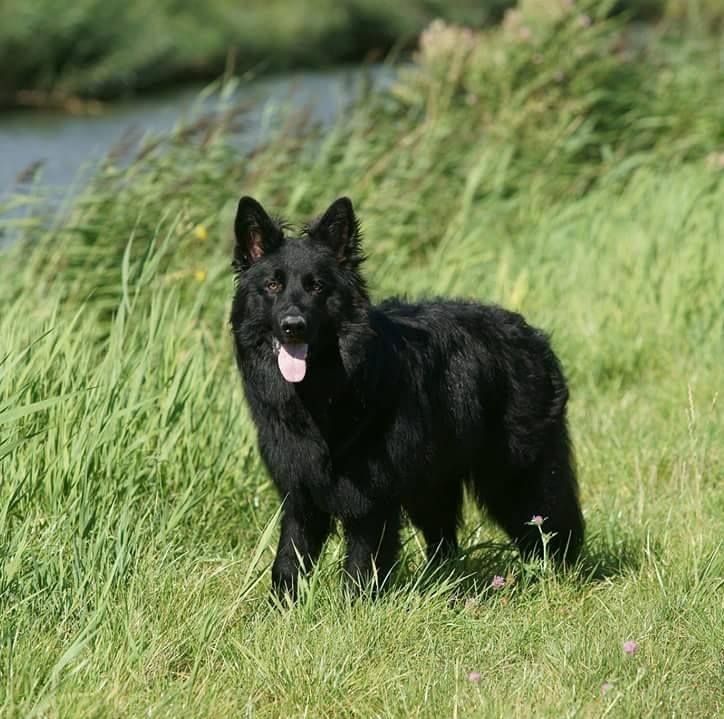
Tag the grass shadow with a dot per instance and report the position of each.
(473, 570)
(604, 558)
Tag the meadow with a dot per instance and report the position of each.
(562, 164)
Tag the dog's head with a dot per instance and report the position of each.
(297, 293)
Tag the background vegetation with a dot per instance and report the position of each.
(106, 48)
(560, 164)
(53, 50)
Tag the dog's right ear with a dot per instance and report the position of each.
(255, 232)
(339, 230)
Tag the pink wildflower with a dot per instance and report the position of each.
(498, 582)
(630, 647)
(537, 520)
(474, 677)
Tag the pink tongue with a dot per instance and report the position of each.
(292, 361)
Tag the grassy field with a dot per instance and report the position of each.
(554, 165)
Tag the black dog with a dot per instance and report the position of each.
(364, 411)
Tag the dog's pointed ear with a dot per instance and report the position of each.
(338, 228)
(255, 233)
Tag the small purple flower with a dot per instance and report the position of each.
(498, 582)
(716, 160)
(606, 688)
(474, 677)
(585, 21)
(525, 33)
(630, 647)
(537, 520)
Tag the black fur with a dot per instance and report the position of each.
(402, 405)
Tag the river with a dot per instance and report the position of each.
(63, 147)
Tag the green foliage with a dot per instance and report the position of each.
(52, 50)
(105, 48)
(136, 522)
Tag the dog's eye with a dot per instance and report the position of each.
(273, 286)
(317, 287)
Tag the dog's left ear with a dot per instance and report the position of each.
(256, 233)
(338, 229)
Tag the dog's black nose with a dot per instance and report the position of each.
(293, 325)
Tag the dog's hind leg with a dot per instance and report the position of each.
(373, 542)
(437, 517)
(547, 489)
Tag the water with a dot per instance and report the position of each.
(63, 145)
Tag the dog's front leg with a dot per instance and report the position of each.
(304, 530)
(373, 542)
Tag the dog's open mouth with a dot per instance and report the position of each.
(292, 360)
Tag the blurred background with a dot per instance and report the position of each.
(53, 51)
(79, 75)
(133, 67)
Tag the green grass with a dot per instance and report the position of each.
(137, 525)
